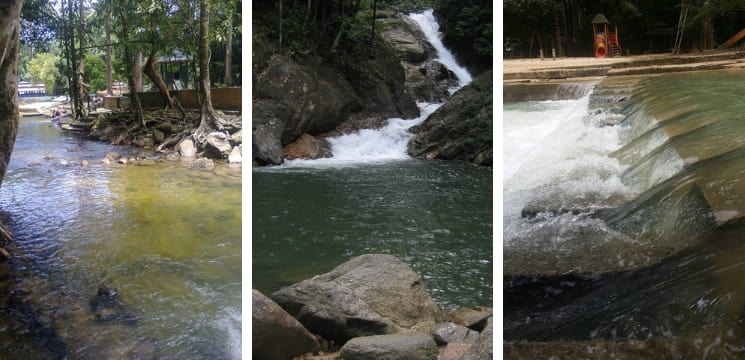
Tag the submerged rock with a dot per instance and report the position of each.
(368, 295)
(413, 346)
(203, 163)
(108, 308)
(276, 334)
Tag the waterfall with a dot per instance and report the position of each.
(430, 27)
(389, 142)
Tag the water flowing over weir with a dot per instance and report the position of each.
(372, 197)
(624, 220)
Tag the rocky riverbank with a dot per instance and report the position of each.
(371, 307)
(166, 135)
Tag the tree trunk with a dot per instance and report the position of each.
(107, 29)
(209, 121)
(134, 98)
(557, 23)
(80, 101)
(229, 52)
(138, 71)
(10, 12)
(155, 77)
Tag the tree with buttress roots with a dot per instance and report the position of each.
(211, 125)
(10, 13)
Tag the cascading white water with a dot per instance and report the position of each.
(427, 22)
(553, 156)
(389, 142)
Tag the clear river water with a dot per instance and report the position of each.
(623, 214)
(167, 237)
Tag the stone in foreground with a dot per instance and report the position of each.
(412, 346)
(276, 334)
(369, 295)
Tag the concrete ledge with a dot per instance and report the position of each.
(545, 91)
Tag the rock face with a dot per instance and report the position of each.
(276, 334)
(266, 139)
(397, 346)
(429, 82)
(368, 295)
(461, 129)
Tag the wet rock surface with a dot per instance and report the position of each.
(461, 129)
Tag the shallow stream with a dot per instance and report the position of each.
(167, 237)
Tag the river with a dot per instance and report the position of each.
(623, 215)
(167, 237)
(371, 197)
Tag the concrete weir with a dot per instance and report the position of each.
(579, 305)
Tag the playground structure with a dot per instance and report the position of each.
(606, 42)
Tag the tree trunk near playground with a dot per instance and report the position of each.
(10, 11)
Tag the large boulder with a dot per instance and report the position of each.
(311, 97)
(461, 129)
(368, 295)
(412, 346)
(407, 39)
(276, 334)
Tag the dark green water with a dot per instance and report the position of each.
(167, 237)
(436, 216)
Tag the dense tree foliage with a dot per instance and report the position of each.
(467, 29)
(643, 26)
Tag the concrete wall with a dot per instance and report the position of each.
(222, 98)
